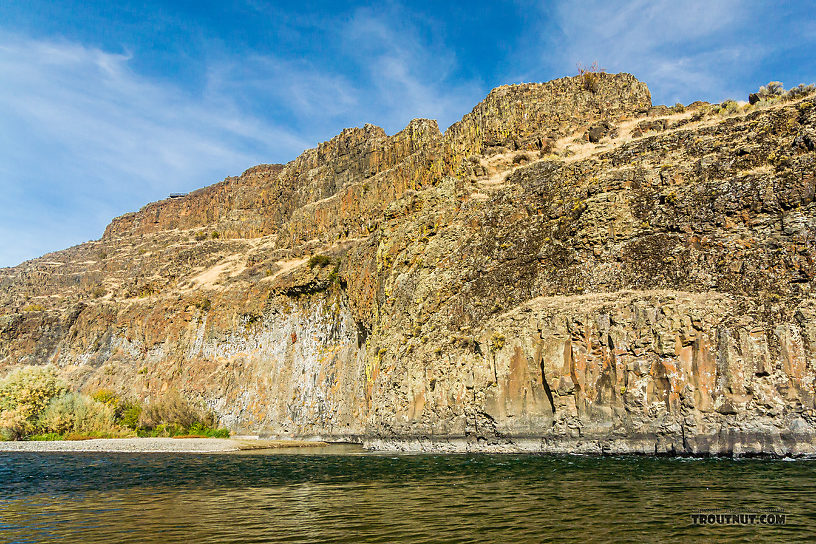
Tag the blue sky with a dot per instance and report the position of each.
(105, 106)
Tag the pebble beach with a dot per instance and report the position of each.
(153, 445)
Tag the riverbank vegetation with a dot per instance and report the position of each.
(35, 404)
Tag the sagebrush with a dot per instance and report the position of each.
(36, 404)
(24, 395)
(76, 413)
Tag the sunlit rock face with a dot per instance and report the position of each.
(565, 269)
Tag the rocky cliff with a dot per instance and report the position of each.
(565, 269)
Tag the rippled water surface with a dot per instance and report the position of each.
(388, 498)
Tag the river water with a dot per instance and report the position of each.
(355, 497)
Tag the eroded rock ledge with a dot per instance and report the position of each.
(567, 269)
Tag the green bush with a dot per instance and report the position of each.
(172, 415)
(318, 260)
(728, 107)
(35, 404)
(76, 413)
(146, 291)
(13, 426)
(106, 396)
(202, 430)
(130, 416)
(24, 395)
(497, 341)
(774, 92)
(800, 91)
(173, 410)
(174, 431)
(590, 76)
(126, 412)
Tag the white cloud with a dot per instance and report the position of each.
(683, 50)
(410, 77)
(84, 138)
(387, 64)
(296, 86)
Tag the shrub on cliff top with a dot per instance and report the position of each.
(773, 88)
(774, 92)
(590, 78)
(800, 91)
(728, 107)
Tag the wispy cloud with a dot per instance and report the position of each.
(683, 50)
(412, 77)
(291, 87)
(84, 138)
(384, 65)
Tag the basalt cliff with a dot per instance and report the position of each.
(566, 269)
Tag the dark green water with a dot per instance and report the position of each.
(387, 498)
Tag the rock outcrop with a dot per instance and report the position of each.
(565, 269)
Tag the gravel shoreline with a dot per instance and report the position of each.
(151, 445)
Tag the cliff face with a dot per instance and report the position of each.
(565, 269)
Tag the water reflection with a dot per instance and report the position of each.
(377, 498)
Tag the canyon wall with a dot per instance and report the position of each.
(566, 269)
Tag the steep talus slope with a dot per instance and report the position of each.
(565, 269)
